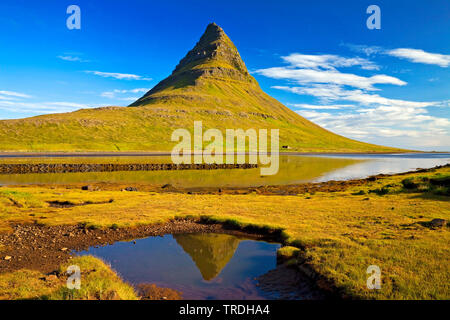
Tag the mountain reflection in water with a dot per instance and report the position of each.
(293, 169)
(210, 252)
(201, 266)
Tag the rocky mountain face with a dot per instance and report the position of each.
(214, 56)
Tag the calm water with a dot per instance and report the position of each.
(201, 266)
(293, 169)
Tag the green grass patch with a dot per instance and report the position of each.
(438, 184)
(98, 282)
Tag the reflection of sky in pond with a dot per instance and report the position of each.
(293, 169)
(202, 266)
(386, 164)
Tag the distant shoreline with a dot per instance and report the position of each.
(6, 154)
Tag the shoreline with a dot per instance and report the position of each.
(32, 154)
(277, 190)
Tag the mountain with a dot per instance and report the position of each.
(210, 84)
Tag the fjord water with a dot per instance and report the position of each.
(372, 164)
(201, 266)
(293, 169)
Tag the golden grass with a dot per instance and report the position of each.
(342, 233)
(98, 282)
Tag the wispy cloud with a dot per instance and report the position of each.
(305, 76)
(420, 56)
(18, 102)
(129, 98)
(120, 76)
(322, 69)
(413, 55)
(328, 93)
(42, 107)
(320, 107)
(72, 58)
(328, 61)
(14, 94)
(367, 50)
(115, 94)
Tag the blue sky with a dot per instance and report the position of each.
(389, 86)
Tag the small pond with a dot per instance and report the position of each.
(201, 266)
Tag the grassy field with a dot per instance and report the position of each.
(385, 222)
(98, 283)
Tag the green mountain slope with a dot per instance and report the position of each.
(211, 84)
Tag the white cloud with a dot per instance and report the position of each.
(320, 107)
(72, 58)
(113, 94)
(420, 56)
(327, 61)
(334, 93)
(14, 94)
(367, 50)
(67, 104)
(42, 107)
(7, 98)
(108, 94)
(120, 76)
(13, 101)
(322, 69)
(137, 90)
(413, 55)
(406, 127)
(382, 125)
(305, 76)
(129, 98)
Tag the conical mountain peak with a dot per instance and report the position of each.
(213, 58)
(214, 49)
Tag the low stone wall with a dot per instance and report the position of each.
(110, 167)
